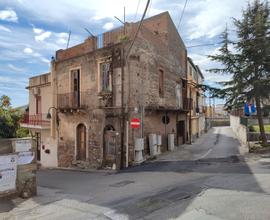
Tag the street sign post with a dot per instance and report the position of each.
(135, 123)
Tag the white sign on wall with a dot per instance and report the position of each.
(23, 145)
(8, 172)
(25, 157)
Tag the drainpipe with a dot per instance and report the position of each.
(54, 99)
(190, 112)
(122, 108)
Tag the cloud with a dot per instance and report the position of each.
(61, 41)
(61, 38)
(108, 26)
(8, 15)
(45, 60)
(202, 22)
(43, 36)
(28, 50)
(14, 68)
(3, 28)
(5, 79)
(212, 17)
(37, 30)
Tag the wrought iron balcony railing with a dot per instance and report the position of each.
(73, 100)
(35, 120)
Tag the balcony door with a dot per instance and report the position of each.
(75, 87)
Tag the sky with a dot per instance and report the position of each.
(31, 32)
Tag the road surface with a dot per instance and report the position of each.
(211, 179)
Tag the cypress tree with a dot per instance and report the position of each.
(247, 60)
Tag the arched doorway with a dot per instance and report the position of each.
(81, 142)
(109, 145)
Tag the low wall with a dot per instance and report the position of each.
(23, 172)
(220, 122)
(239, 129)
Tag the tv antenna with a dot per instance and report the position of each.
(89, 32)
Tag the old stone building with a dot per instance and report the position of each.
(98, 86)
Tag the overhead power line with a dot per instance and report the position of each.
(213, 44)
(137, 9)
(149, 8)
(183, 11)
(203, 45)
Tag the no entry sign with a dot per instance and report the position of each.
(135, 123)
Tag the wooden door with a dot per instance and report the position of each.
(180, 131)
(75, 81)
(109, 149)
(81, 142)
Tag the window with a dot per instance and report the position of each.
(184, 83)
(161, 83)
(105, 77)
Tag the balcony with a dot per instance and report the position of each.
(105, 99)
(38, 121)
(73, 100)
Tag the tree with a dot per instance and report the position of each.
(10, 120)
(247, 59)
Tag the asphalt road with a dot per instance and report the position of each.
(211, 179)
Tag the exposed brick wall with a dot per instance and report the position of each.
(90, 44)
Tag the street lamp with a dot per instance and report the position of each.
(49, 116)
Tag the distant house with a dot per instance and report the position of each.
(196, 115)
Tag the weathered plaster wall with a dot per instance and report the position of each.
(41, 83)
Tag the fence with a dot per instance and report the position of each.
(73, 100)
(244, 121)
(256, 136)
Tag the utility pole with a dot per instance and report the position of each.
(122, 107)
(124, 59)
(124, 21)
(190, 113)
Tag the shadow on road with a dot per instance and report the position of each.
(154, 188)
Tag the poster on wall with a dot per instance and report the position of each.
(23, 145)
(23, 148)
(8, 172)
(26, 157)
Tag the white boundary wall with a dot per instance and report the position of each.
(239, 129)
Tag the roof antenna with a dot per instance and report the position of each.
(89, 32)
(68, 39)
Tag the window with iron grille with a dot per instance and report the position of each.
(105, 77)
